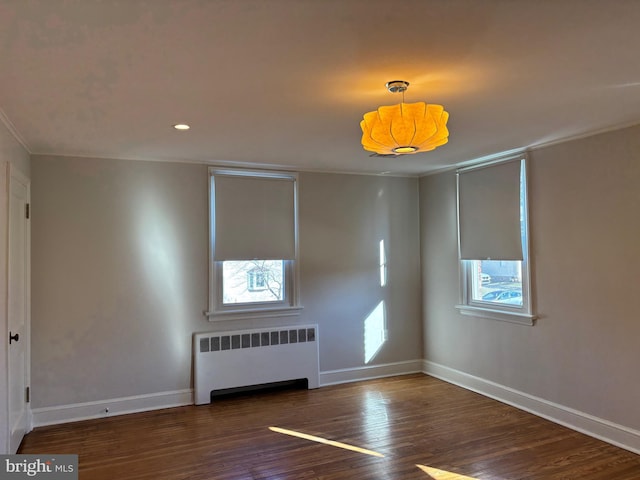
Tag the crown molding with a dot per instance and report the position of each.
(14, 131)
(529, 148)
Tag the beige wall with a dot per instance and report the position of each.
(119, 265)
(10, 152)
(119, 269)
(343, 218)
(583, 351)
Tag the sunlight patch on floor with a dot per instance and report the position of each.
(434, 473)
(324, 441)
(437, 474)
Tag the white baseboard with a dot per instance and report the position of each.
(369, 372)
(155, 401)
(610, 432)
(108, 408)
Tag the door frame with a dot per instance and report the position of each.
(15, 175)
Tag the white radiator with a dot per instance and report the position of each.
(254, 357)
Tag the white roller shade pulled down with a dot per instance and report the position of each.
(489, 212)
(254, 217)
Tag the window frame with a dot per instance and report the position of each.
(290, 304)
(492, 310)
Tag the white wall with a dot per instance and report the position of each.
(119, 265)
(582, 354)
(10, 151)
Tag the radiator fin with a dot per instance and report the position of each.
(256, 339)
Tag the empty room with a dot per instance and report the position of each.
(303, 239)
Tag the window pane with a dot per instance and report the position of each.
(497, 281)
(252, 281)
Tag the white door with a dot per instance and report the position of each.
(18, 307)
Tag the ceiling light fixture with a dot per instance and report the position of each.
(181, 126)
(405, 128)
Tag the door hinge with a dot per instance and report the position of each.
(28, 394)
(27, 210)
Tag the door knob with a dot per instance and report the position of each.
(13, 338)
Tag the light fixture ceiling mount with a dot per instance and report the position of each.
(405, 128)
(395, 86)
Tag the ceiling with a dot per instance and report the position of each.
(284, 83)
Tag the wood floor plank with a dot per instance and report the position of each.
(420, 424)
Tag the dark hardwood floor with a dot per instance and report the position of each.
(423, 427)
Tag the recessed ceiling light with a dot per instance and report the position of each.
(181, 126)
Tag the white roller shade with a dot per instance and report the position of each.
(489, 212)
(254, 217)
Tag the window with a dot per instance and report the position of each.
(493, 241)
(253, 244)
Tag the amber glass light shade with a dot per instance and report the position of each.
(405, 128)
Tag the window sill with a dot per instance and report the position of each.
(250, 313)
(501, 315)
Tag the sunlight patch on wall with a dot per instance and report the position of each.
(324, 441)
(375, 333)
(438, 474)
(383, 265)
